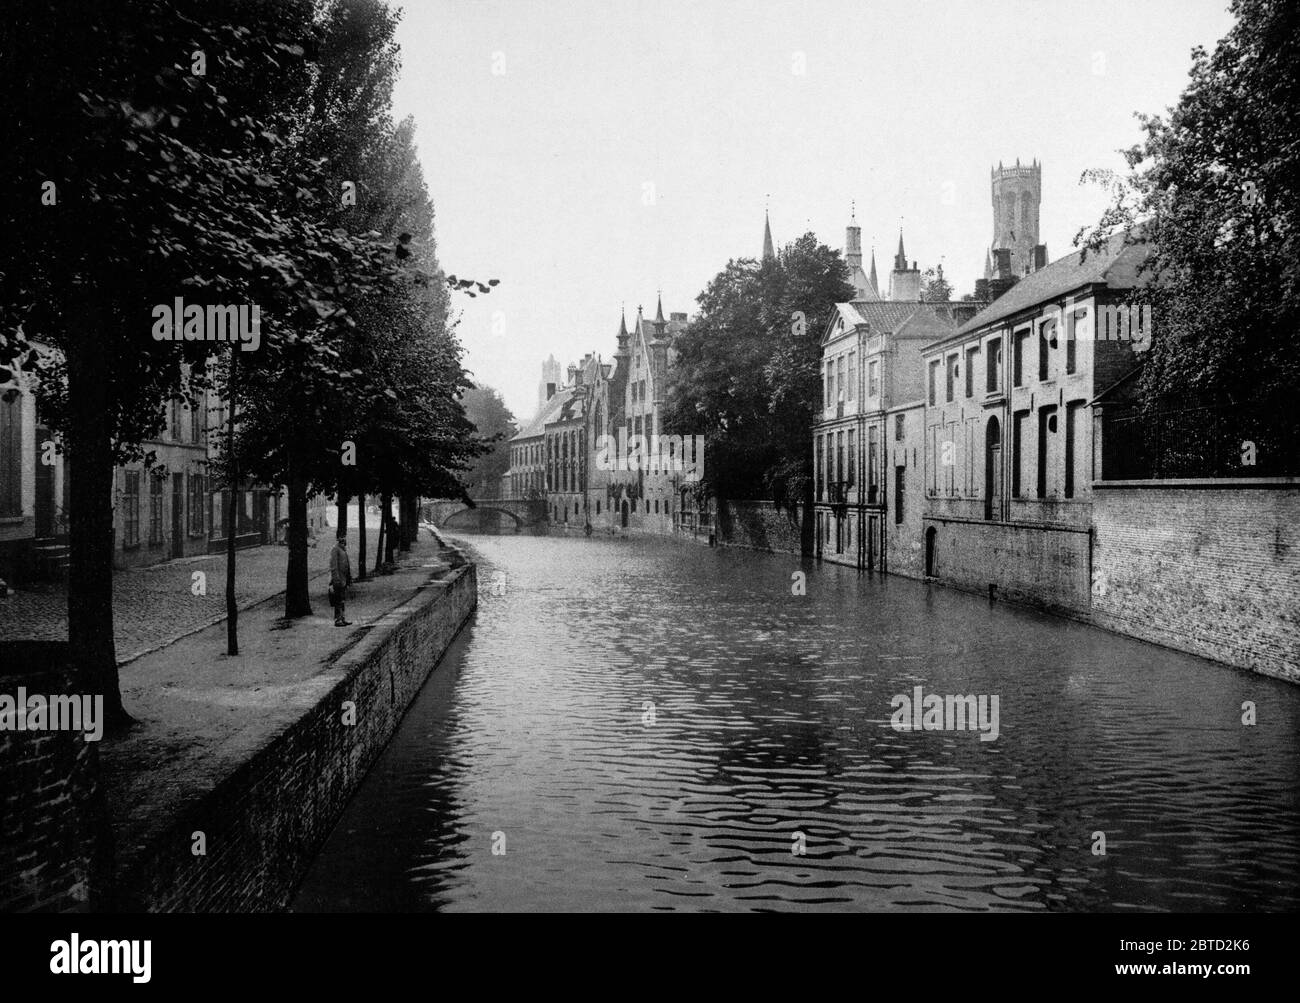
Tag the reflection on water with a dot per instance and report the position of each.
(649, 726)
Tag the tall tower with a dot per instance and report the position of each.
(853, 242)
(1017, 194)
(550, 381)
(864, 286)
(768, 252)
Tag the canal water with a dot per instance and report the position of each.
(660, 726)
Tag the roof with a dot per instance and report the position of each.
(549, 412)
(1115, 265)
(904, 318)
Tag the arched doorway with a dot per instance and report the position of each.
(993, 469)
(930, 535)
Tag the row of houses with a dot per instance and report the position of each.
(974, 437)
(164, 509)
(990, 443)
(558, 455)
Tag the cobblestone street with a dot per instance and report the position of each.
(152, 606)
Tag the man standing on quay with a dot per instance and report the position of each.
(340, 577)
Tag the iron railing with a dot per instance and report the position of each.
(1211, 441)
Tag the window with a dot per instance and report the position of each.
(839, 456)
(11, 455)
(993, 371)
(873, 388)
(971, 355)
(950, 375)
(1070, 343)
(819, 472)
(839, 376)
(898, 428)
(852, 458)
(1046, 429)
(196, 504)
(598, 508)
(871, 465)
(830, 383)
(934, 382)
(131, 509)
(1075, 460)
(196, 422)
(853, 375)
(1018, 362)
(656, 506)
(1021, 419)
(899, 473)
(1046, 342)
(156, 507)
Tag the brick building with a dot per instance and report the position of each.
(871, 366)
(1008, 430)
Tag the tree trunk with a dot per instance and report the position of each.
(361, 531)
(404, 510)
(90, 523)
(390, 538)
(232, 516)
(414, 503)
(297, 601)
(379, 544)
(344, 498)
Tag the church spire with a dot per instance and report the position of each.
(900, 259)
(768, 252)
(875, 284)
(659, 313)
(622, 332)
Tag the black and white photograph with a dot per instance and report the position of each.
(617, 457)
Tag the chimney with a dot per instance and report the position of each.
(1040, 256)
(982, 289)
(1002, 263)
(550, 390)
(573, 374)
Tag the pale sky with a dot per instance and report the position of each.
(540, 172)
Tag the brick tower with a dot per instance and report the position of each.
(1017, 193)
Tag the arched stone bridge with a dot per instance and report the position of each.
(489, 514)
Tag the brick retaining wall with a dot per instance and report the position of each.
(264, 823)
(1035, 565)
(1214, 570)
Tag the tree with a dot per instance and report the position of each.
(495, 425)
(386, 380)
(934, 287)
(747, 371)
(1214, 188)
(131, 186)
